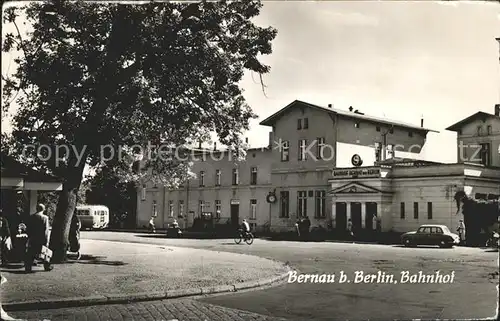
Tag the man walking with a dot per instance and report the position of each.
(461, 231)
(37, 228)
(350, 230)
(5, 240)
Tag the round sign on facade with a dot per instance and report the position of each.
(271, 197)
(356, 160)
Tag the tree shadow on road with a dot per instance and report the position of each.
(97, 260)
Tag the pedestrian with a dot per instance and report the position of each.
(350, 230)
(461, 231)
(307, 226)
(38, 231)
(374, 225)
(299, 226)
(152, 228)
(74, 235)
(5, 240)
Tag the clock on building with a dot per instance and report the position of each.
(271, 197)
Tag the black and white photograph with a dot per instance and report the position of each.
(250, 160)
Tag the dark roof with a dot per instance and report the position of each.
(407, 162)
(271, 119)
(13, 168)
(480, 114)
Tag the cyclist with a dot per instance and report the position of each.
(245, 227)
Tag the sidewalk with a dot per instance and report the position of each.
(112, 272)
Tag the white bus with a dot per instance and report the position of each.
(93, 216)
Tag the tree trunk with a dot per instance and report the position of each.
(59, 238)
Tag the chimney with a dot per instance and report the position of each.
(329, 105)
(350, 108)
(422, 122)
(497, 110)
(215, 145)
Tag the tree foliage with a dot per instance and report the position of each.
(95, 79)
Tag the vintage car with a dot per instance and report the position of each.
(430, 234)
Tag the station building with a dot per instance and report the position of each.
(297, 174)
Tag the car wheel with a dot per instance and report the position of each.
(443, 244)
(407, 243)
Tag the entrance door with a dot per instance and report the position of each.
(341, 216)
(356, 215)
(235, 215)
(371, 211)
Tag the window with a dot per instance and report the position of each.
(143, 193)
(302, 149)
(218, 210)
(356, 125)
(102, 217)
(410, 134)
(302, 203)
(429, 210)
(402, 211)
(236, 176)
(202, 207)
(320, 147)
(415, 210)
(253, 209)
(171, 208)
(306, 123)
(285, 151)
(253, 176)
(391, 130)
(154, 210)
(485, 154)
(479, 130)
(489, 130)
(320, 204)
(217, 177)
(181, 208)
(299, 123)
(377, 128)
(284, 204)
(202, 178)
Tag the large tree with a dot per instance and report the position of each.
(95, 76)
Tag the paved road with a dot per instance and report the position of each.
(181, 310)
(472, 295)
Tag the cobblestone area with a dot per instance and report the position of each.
(166, 310)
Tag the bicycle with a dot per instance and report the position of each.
(246, 237)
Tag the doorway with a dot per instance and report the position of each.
(341, 216)
(356, 215)
(371, 211)
(235, 215)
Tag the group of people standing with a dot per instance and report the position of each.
(30, 239)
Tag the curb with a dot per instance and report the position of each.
(120, 298)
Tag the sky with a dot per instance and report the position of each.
(395, 59)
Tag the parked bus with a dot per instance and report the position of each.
(93, 216)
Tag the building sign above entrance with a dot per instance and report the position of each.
(367, 172)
